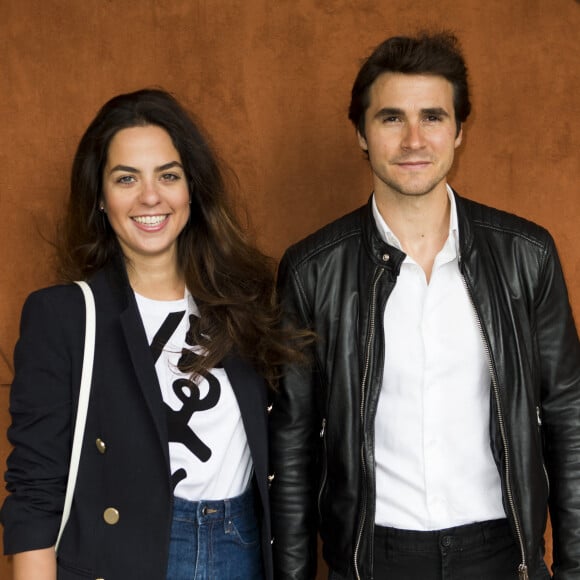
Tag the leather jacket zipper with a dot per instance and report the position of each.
(523, 567)
(324, 466)
(539, 416)
(367, 361)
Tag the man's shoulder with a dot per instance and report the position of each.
(494, 220)
(331, 237)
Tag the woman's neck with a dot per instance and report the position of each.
(159, 280)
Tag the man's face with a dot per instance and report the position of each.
(410, 133)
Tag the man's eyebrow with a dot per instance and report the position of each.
(386, 111)
(438, 111)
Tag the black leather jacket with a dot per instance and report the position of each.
(337, 282)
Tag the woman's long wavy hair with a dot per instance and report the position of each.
(231, 281)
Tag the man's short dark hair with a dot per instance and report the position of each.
(427, 54)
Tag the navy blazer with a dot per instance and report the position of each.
(125, 461)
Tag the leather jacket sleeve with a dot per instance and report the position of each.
(559, 351)
(294, 426)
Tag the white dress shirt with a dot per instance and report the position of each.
(434, 467)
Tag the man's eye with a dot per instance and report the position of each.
(433, 118)
(390, 119)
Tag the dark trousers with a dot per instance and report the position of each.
(481, 551)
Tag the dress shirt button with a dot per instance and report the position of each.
(271, 477)
(269, 408)
(111, 516)
(101, 445)
(446, 541)
(271, 541)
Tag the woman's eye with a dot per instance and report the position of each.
(170, 177)
(125, 179)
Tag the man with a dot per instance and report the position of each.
(440, 412)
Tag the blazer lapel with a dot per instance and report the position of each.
(250, 391)
(144, 367)
(114, 278)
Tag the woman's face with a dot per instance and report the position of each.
(145, 194)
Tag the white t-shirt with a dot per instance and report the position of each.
(208, 447)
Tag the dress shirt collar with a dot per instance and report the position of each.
(390, 238)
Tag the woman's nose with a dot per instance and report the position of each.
(149, 193)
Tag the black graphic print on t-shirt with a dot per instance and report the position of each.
(187, 391)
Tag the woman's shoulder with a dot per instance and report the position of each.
(60, 303)
(59, 294)
(51, 331)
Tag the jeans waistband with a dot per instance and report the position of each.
(220, 509)
(459, 536)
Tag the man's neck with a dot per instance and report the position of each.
(420, 223)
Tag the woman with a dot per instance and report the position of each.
(172, 481)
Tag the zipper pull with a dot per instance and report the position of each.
(523, 572)
(323, 428)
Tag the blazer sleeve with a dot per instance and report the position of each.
(41, 407)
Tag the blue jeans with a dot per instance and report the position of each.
(215, 540)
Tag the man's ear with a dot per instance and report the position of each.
(362, 141)
(459, 137)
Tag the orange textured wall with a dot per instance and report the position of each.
(270, 80)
